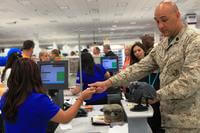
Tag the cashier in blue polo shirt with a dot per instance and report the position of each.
(91, 73)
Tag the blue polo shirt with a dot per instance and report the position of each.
(99, 75)
(33, 115)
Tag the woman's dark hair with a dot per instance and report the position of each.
(11, 59)
(24, 79)
(88, 63)
(134, 59)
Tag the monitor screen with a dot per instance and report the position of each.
(110, 63)
(54, 74)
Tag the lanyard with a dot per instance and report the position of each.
(154, 80)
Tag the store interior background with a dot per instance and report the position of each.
(59, 23)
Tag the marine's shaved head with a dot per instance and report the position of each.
(172, 8)
(168, 18)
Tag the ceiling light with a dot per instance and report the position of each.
(14, 22)
(53, 21)
(25, 19)
(118, 14)
(64, 7)
(71, 17)
(115, 21)
(133, 22)
(2, 10)
(94, 11)
(122, 4)
(24, 2)
(92, 0)
(96, 20)
(114, 26)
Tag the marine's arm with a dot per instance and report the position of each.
(136, 71)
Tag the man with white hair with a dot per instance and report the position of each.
(107, 50)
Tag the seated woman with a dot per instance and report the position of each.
(138, 52)
(91, 73)
(25, 106)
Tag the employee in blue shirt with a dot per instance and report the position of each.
(91, 73)
(25, 106)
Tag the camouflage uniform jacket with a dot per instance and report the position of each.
(179, 64)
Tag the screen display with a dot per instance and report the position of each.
(52, 74)
(109, 63)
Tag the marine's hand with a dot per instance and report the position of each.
(101, 86)
(152, 101)
(87, 94)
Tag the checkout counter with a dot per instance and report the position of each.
(137, 121)
(66, 75)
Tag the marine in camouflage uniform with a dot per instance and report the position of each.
(177, 57)
(179, 64)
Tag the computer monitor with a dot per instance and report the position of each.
(54, 74)
(110, 63)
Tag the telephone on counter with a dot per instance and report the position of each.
(81, 112)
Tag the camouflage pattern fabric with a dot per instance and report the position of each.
(179, 65)
(176, 130)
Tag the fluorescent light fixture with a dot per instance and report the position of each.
(94, 11)
(115, 21)
(71, 17)
(24, 2)
(114, 26)
(133, 22)
(96, 20)
(14, 22)
(92, 0)
(25, 19)
(64, 7)
(122, 4)
(118, 14)
(53, 21)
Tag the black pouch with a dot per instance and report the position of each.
(52, 127)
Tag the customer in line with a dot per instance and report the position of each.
(44, 56)
(27, 48)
